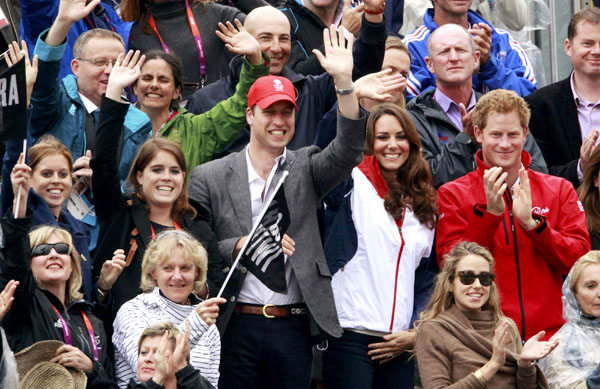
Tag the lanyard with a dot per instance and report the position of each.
(67, 332)
(175, 225)
(197, 39)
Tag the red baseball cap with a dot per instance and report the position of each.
(271, 89)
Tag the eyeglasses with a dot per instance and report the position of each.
(467, 277)
(100, 62)
(44, 249)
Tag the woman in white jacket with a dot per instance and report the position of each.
(379, 225)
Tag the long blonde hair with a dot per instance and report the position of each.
(40, 235)
(443, 297)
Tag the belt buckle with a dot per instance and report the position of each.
(264, 311)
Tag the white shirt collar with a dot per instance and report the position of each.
(89, 106)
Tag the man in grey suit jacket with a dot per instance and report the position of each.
(266, 335)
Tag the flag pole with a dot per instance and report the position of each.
(254, 227)
(16, 210)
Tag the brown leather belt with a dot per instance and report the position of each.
(271, 311)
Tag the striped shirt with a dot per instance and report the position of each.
(149, 308)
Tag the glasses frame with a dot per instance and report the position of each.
(46, 248)
(470, 273)
(95, 61)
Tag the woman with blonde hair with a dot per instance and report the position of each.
(163, 358)
(578, 352)
(47, 303)
(174, 270)
(463, 338)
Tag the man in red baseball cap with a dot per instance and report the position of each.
(267, 335)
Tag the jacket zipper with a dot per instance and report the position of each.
(397, 269)
(514, 233)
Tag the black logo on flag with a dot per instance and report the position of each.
(13, 102)
(263, 255)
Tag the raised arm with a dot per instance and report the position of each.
(211, 131)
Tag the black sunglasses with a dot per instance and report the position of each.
(467, 277)
(44, 249)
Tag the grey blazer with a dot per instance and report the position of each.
(221, 188)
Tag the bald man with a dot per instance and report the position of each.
(316, 94)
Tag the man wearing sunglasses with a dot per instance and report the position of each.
(533, 223)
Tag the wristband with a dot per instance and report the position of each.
(374, 11)
(344, 91)
(479, 375)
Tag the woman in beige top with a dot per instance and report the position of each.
(463, 338)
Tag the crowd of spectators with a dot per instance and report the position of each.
(428, 238)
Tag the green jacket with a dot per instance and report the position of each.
(203, 136)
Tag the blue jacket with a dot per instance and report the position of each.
(508, 67)
(38, 15)
(59, 111)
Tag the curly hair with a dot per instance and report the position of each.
(413, 184)
(500, 101)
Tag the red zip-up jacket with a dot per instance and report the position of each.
(530, 265)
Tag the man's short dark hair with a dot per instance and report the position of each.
(590, 15)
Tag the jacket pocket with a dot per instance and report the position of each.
(323, 269)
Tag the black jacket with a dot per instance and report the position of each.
(555, 126)
(124, 220)
(455, 158)
(307, 34)
(316, 94)
(32, 317)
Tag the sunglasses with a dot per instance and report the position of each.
(44, 249)
(467, 277)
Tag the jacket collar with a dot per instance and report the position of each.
(370, 167)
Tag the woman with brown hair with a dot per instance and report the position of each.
(590, 197)
(463, 338)
(185, 28)
(379, 226)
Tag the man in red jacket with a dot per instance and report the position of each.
(533, 223)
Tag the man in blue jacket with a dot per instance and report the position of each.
(68, 108)
(503, 64)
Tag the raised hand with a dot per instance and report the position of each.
(208, 310)
(376, 8)
(20, 177)
(522, 202)
(182, 349)
(14, 55)
(467, 120)
(239, 41)
(587, 147)
(6, 297)
(378, 86)
(482, 34)
(535, 349)
(74, 10)
(494, 185)
(337, 60)
(352, 17)
(126, 71)
(394, 344)
(81, 167)
(111, 270)
(501, 338)
(162, 360)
